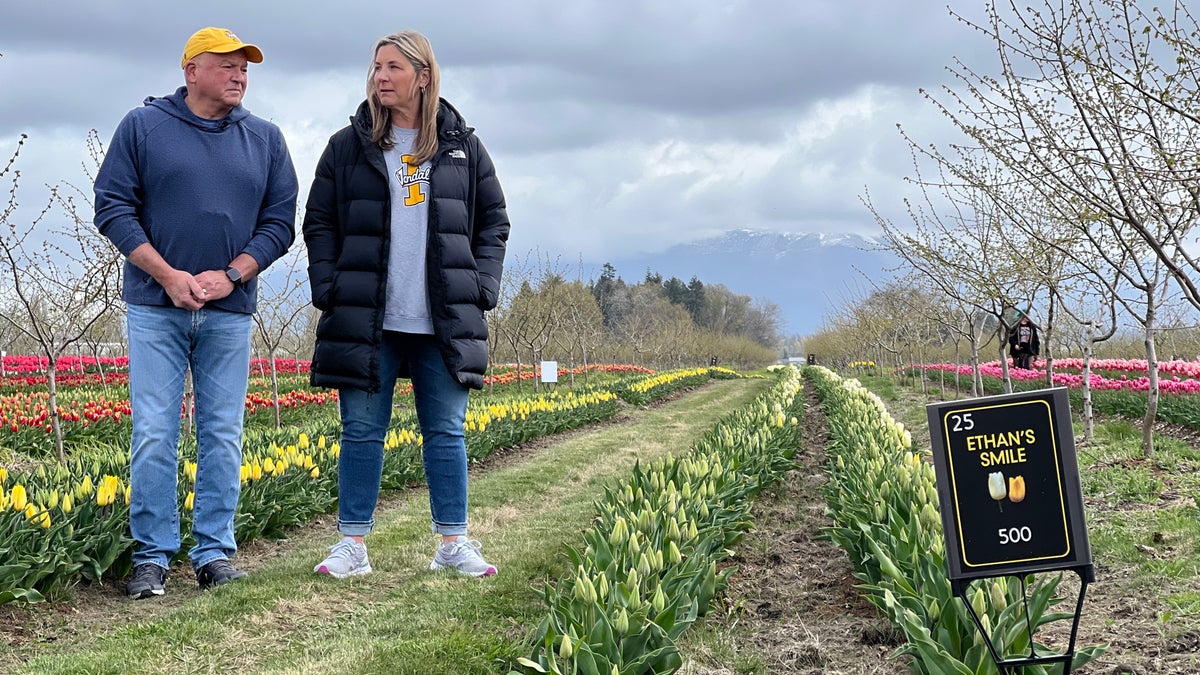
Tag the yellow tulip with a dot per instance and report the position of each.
(3, 474)
(1016, 489)
(316, 472)
(85, 488)
(19, 498)
(190, 501)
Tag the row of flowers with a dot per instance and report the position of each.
(26, 363)
(63, 522)
(883, 499)
(81, 370)
(100, 414)
(1060, 378)
(652, 559)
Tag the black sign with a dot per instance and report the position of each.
(1008, 484)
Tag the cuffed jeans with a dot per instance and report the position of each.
(441, 410)
(163, 343)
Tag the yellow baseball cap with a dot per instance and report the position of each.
(217, 41)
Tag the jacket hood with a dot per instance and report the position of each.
(451, 125)
(175, 106)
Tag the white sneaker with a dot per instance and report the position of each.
(462, 556)
(346, 558)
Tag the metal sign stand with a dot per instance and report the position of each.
(1011, 666)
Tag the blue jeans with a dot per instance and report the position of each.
(163, 343)
(441, 410)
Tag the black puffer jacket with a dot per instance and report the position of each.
(347, 227)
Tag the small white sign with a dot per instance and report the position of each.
(550, 371)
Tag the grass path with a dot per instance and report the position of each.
(402, 618)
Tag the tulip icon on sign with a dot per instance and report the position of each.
(997, 490)
(1016, 489)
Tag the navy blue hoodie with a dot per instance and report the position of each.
(200, 191)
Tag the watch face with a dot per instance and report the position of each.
(234, 275)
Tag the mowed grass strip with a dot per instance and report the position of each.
(403, 618)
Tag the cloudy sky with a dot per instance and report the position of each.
(615, 126)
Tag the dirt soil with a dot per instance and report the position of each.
(791, 608)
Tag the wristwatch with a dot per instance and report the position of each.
(234, 275)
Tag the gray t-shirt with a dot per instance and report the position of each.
(407, 308)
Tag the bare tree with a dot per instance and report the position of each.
(1093, 111)
(957, 242)
(581, 326)
(282, 305)
(64, 277)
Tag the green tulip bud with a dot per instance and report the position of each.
(565, 649)
(621, 623)
(674, 557)
(643, 566)
(978, 601)
(999, 600)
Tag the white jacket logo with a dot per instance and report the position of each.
(458, 154)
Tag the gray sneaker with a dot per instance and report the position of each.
(463, 557)
(147, 581)
(346, 558)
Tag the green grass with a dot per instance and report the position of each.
(402, 618)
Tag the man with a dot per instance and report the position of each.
(200, 197)
(1023, 343)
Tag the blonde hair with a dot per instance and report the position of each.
(416, 48)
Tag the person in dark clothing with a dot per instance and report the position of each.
(200, 197)
(1023, 343)
(406, 230)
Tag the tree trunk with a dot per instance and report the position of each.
(1089, 416)
(100, 368)
(976, 376)
(1151, 392)
(55, 418)
(1005, 372)
(274, 386)
(189, 409)
(1047, 342)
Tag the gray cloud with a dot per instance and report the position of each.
(614, 125)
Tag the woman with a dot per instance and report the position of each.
(406, 229)
(1023, 343)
